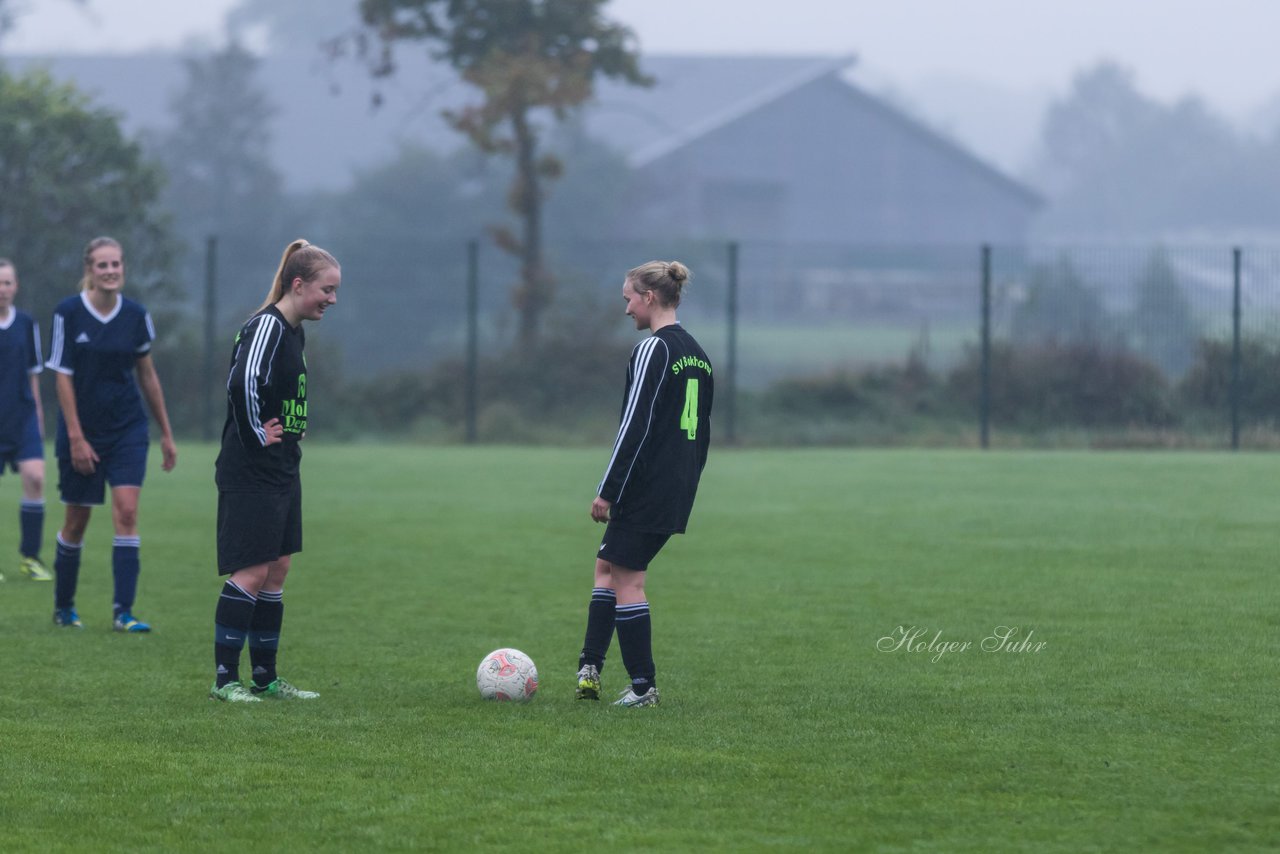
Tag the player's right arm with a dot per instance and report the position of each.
(250, 380)
(647, 371)
(83, 457)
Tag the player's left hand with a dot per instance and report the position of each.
(169, 451)
(600, 509)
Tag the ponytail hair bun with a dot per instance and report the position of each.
(667, 279)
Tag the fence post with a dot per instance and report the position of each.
(731, 419)
(984, 402)
(1235, 349)
(473, 335)
(210, 331)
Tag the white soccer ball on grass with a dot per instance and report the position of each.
(507, 675)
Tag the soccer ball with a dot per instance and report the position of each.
(507, 675)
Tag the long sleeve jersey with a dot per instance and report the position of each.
(663, 435)
(268, 379)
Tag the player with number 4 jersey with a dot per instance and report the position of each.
(651, 480)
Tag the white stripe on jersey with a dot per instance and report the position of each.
(35, 339)
(644, 355)
(151, 334)
(257, 346)
(56, 345)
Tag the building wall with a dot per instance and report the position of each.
(827, 164)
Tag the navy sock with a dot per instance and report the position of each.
(635, 639)
(125, 566)
(264, 636)
(231, 626)
(600, 619)
(31, 521)
(66, 563)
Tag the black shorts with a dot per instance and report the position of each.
(629, 549)
(258, 527)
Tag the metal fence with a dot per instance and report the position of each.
(961, 345)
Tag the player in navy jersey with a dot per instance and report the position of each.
(259, 488)
(100, 349)
(21, 420)
(649, 485)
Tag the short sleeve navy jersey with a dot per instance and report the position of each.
(267, 379)
(664, 434)
(100, 353)
(19, 359)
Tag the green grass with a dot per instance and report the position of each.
(1147, 721)
(768, 352)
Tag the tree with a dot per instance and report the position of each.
(221, 178)
(1059, 308)
(529, 59)
(1117, 163)
(1167, 328)
(67, 175)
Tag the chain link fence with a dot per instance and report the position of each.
(1083, 346)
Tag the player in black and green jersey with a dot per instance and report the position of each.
(649, 485)
(259, 488)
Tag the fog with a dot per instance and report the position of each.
(982, 70)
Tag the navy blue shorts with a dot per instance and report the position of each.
(258, 527)
(123, 463)
(629, 549)
(25, 447)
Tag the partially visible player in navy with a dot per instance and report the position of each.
(259, 486)
(100, 348)
(21, 419)
(649, 485)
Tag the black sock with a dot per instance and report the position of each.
(66, 565)
(600, 619)
(635, 639)
(264, 636)
(231, 625)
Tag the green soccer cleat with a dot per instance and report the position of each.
(33, 569)
(631, 700)
(233, 692)
(282, 690)
(67, 618)
(126, 622)
(588, 683)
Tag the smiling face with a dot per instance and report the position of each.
(311, 299)
(106, 269)
(639, 305)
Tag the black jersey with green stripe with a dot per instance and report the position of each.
(663, 436)
(268, 379)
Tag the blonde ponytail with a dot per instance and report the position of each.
(301, 260)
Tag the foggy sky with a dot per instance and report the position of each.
(1222, 50)
(981, 69)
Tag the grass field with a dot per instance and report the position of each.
(1147, 721)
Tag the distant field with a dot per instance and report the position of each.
(767, 352)
(1147, 720)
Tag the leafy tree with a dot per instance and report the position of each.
(67, 175)
(1117, 163)
(1168, 330)
(221, 178)
(530, 60)
(1059, 308)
